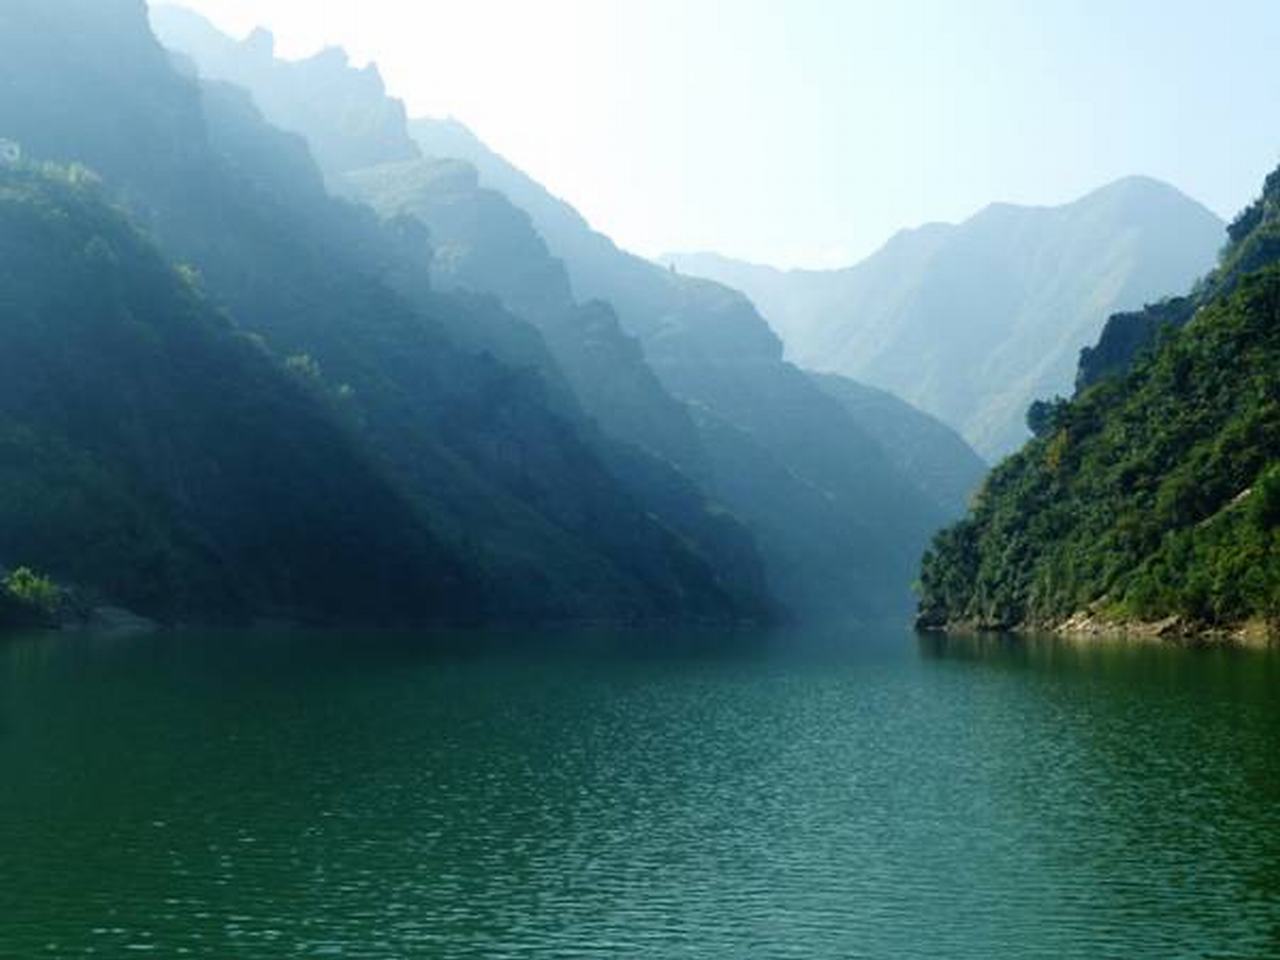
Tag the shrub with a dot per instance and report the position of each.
(32, 590)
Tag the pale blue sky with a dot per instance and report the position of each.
(808, 131)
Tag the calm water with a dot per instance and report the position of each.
(636, 796)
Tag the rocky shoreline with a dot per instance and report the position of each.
(1259, 634)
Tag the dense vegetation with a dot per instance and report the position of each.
(697, 413)
(28, 599)
(495, 502)
(1152, 494)
(154, 453)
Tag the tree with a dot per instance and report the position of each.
(37, 594)
(1044, 416)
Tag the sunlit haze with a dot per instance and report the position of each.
(810, 131)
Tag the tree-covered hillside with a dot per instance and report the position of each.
(1154, 493)
(154, 454)
(487, 454)
(675, 371)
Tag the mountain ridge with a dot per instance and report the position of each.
(841, 527)
(491, 465)
(1151, 500)
(712, 350)
(1054, 274)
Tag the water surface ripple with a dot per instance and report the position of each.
(646, 796)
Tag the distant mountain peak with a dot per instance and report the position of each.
(973, 321)
(335, 56)
(342, 110)
(679, 260)
(1142, 190)
(1137, 182)
(1131, 188)
(261, 42)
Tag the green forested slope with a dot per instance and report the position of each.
(486, 456)
(155, 455)
(1152, 494)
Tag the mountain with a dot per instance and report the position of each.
(924, 449)
(837, 520)
(1126, 335)
(477, 239)
(484, 242)
(343, 113)
(594, 374)
(974, 321)
(683, 372)
(153, 452)
(491, 460)
(1154, 493)
(481, 242)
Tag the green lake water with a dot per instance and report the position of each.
(636, 795)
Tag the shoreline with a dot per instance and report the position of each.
(1172, 631)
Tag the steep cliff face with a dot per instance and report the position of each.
(668, 366)
(972, 322)
(925, 450)
(1126, 335)
(343, 112)
(840, 526)
(471, 242)
(480, 241)
(1153, 493)
(492, 468)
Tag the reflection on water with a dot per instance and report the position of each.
(636, 795)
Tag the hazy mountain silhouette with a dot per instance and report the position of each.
(344, 113)
(974, 321)
(677, 368)
(495, 466)
(924, 449)
(836, 517)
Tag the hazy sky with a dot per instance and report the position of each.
(808, 131)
